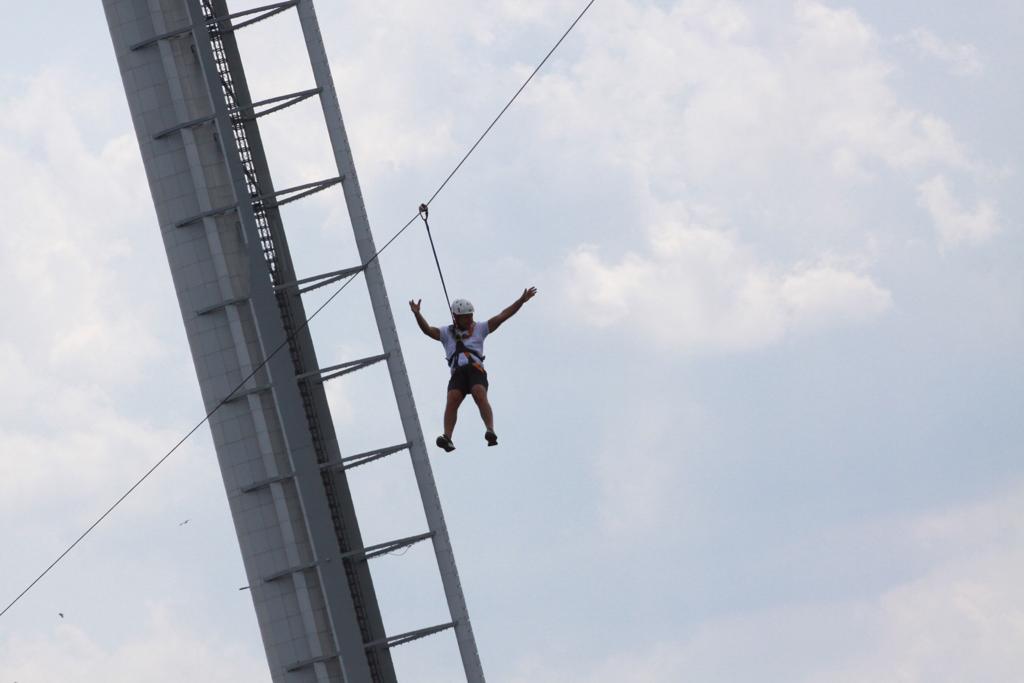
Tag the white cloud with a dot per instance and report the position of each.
(162, 648)
(823, 295)
(963, 59)
(740, 93)
(955, 224)
(700, 289)
(760, 114)
(801, 121)
(80, 450)
(641, 481)
(89, 319)
(960, 620)
(73, 228)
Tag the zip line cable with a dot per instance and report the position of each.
(425, 206)
(302, 327)
(509, 104)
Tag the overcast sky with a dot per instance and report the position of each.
(763, 421)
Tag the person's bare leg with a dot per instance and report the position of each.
(486, 414)
(451, 410)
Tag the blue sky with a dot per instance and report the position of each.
(762, 422)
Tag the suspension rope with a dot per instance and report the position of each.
(424, 212)
(309, 319)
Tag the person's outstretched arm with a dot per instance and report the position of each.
(497, 320)
(431, 332)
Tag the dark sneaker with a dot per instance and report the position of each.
(445, 443)
(492, 438)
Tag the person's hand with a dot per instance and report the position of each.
(415, 305)
(528, 294)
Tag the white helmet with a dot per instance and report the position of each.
(462, 307)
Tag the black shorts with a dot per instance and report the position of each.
(466, 377)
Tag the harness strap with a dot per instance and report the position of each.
(460, 347)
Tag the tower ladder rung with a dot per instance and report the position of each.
(304, 190)
(343, 368)
(206, 214)
(247, 392)
(276, 576)
(358, 459)
(372, 551)
(222, 305)
(287, 101)
(174, 33)
(310, 662)
(264, 483)
(321, 280)
(403, 638)
(182, 126)
(268, 10)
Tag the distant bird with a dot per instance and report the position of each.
(60, 614)
(185, 522)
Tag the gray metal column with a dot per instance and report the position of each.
(241, 302)
(275, 487)
(306, 471)
(389, 338)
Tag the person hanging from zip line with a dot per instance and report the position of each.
(464, 348)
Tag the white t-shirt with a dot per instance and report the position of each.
(474, 342)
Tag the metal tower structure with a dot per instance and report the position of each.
(283, 466)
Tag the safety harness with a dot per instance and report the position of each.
(463, 349)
